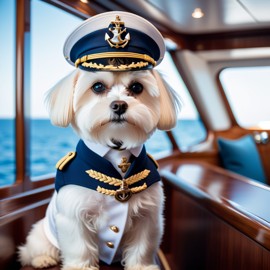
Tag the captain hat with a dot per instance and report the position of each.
(115, 41)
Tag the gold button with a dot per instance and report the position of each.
(110, 244)
(114, 229)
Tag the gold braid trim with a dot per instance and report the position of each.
(104, 178)
(106, 191)
(139, 189)
(117, 182)
(65, 160)
(137, 177)
(144, 57)
(113, 192)
(111, 67)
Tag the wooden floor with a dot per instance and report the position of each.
(103, 267)
(116, 266)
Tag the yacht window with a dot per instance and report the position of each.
(49, 28)
(189, 130)
(247, 91)
(7, 92)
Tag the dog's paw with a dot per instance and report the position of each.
(79, 268)
(143, 267)
(43, 261)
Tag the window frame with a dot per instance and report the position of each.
(22, 100)
(225, 99)
(195, 101)
(23, 181)
(22, 95)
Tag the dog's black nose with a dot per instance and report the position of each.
(119, 106)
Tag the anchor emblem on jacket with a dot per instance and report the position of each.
(124, 193)
(117, 41)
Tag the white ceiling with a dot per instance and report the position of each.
(219, 15)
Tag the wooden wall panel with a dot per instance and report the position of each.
(13, 230)
(203, 231)
(200, 240)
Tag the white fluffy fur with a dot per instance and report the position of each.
(72, 101)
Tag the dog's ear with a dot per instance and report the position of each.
(169, 102)
(59, 100)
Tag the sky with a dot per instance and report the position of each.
(7, 47)
(247, 89)
(48, 64)
(49, 30)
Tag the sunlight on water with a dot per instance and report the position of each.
(7, 149)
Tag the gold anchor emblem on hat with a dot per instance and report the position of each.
(124, 165)
(116, 41)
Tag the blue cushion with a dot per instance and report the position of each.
(241, 156)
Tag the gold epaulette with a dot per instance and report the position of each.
(152, 158)
(65, 160)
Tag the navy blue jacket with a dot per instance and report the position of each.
(74, 172)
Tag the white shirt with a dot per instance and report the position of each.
(114, 156)
(110, 233)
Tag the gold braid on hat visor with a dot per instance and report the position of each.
(94, 56)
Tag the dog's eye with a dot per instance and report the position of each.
(136, 88)
(98, 87)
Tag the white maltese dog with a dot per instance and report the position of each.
(108, 203)
(119, 110)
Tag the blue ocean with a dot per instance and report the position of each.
(49, 143)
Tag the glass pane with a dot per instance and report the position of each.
(7, 91)
(189, 129)
(247, 90)
(50, 27)
(158, 142)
